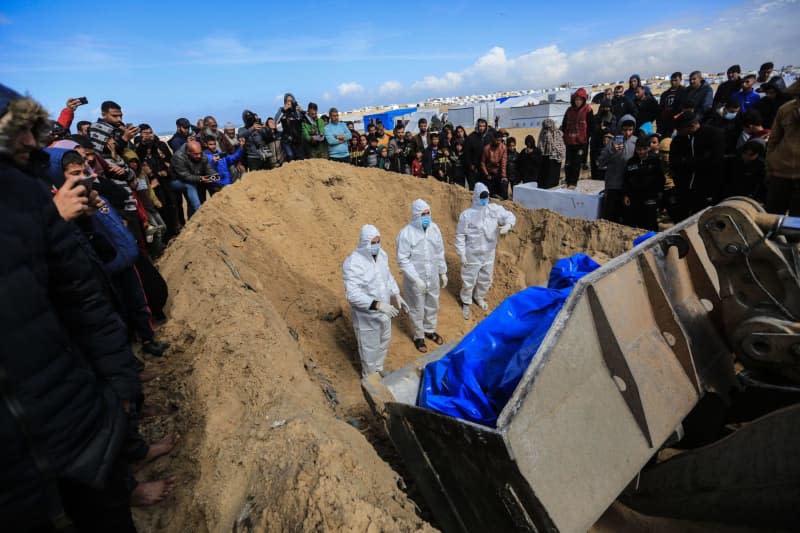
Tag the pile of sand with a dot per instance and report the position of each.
(263, 377)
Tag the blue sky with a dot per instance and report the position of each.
(168, 59)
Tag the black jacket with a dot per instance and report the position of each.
(644, 178)
(696, 162)
(473, 150)
(65, 356)
(646, 109)
(621, 106)
(724, 91)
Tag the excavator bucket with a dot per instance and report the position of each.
(634, 348)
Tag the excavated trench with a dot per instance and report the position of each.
(262, 382)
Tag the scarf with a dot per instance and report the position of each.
(551, 142)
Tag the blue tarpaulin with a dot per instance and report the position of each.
(476, 378)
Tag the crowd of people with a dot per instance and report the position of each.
(87, 207)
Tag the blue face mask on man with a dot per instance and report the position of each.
(730, 116)
(426, 221)
(484, 201)
(375, 248)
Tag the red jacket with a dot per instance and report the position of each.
(576, 124)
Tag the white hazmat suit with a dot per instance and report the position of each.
(420, 256)
(476, 242)
(368, 285)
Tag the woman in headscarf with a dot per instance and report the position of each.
(551, 144)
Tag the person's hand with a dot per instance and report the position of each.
(387, 309)
(205, 179)
(443, 280)
(505, 228)
(616, 147)
(117, 170)
(130, 133)
(401, 304)
(340, 137)
(73, 103)
(627, 201)
(71, 199)
(419, 284)
(154, 183)
(162, 173)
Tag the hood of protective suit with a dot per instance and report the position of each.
(18, 112)
(368, 232)
(417, 209)
(476, 194)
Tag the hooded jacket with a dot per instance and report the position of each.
(630, 92)
(615, 161)
(578, 122)
(65, 360)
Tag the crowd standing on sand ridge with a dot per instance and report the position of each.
(87, 209)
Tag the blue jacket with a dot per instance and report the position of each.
(336, 148)
(222, 165)
(746, 100)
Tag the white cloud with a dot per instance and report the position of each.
(350, 88)
(390, 87)
(326, 96)
(451, 80)
(714, 46)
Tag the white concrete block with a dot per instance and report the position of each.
(583, 202)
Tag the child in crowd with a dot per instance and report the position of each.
(642, 187)
(371, 152)
(222, 164)
(457, 162)
(156, 228)
(529, 161)
(353, 150)
(442, 168)
(417, 169)
(383, 158)
(431, 153)
(511, 160)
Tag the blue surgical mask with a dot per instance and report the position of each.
(730, 116)
(375, 248)
(484, 201)
(426, 221)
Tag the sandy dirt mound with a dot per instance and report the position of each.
(262, 382)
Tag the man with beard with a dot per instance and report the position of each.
(473, 151)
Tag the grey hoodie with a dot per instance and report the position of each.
(614, 161)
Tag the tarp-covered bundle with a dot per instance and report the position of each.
(475, 380)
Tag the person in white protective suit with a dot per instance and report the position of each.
(476, 242)
(420, 256)
(368, 285)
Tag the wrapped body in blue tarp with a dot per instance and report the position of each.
(476, 378)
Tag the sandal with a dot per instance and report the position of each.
(420, 344)
(435, 337)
